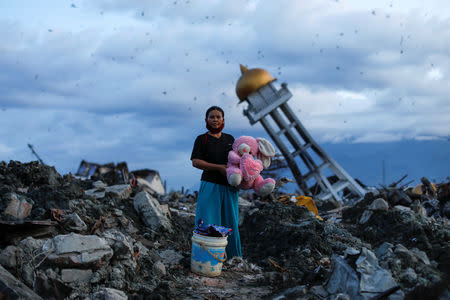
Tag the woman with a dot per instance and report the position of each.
(217, 201)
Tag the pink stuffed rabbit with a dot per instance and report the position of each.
(243, 170)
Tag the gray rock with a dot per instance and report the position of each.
(78, 250)
(365, 217)
(402, 208)
(407, 256)
(75, 275)
(159, 268)
(170, 257)
(151, 213)
(99, 184)
(123, 191)
(421, 256)
(373, 278)
(379, 204)
(8, 257)
(121, 244)
(343, 278)
(384, 250)
(31, 244)
(73, 222)
(409, 275)
(12, 288)
(418, 208)
(110, 294)
(350, 251)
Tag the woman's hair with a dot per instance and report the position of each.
(214, 108)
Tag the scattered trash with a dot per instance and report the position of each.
(212, 230)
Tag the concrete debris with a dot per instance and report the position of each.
(107, 233)
(343, 278)
(373, 278)
(150, 210)
(78, 250)
(122, 191)
(73, 222)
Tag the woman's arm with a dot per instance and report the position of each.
(204, 165)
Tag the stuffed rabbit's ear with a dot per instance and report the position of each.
(265, 160)
(265, 147)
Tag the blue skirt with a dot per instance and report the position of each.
(219, 205)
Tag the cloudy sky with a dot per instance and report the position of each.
(111, 81)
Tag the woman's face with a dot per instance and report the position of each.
(215, 119)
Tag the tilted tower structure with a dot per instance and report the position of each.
(315, 172)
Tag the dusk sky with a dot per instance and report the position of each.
(112, 81)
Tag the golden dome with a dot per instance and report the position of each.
(251, 80)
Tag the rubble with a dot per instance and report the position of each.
(68, 237)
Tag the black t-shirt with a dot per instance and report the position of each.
(213, 150)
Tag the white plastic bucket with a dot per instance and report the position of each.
(208, 254)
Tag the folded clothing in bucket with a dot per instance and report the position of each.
(212, 230)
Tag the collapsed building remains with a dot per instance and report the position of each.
(63, 237)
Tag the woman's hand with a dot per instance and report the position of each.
(203, 165)
(223, 169)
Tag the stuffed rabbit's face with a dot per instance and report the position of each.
(245, 144)
(244, 148)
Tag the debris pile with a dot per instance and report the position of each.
(65, 237)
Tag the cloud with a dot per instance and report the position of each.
(131, 80)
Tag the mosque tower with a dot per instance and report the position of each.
(315, 172)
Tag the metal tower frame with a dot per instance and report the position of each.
(269, 102)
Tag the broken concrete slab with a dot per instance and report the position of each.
(73, 222)
(120, 243)
(99, 184)
(75, 275)
(343, 278)
(122, 191)
(374, 279)
(78, 250)
(151, 213)
(12, 288)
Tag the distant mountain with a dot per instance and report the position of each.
(364, 161)
(414, 158)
